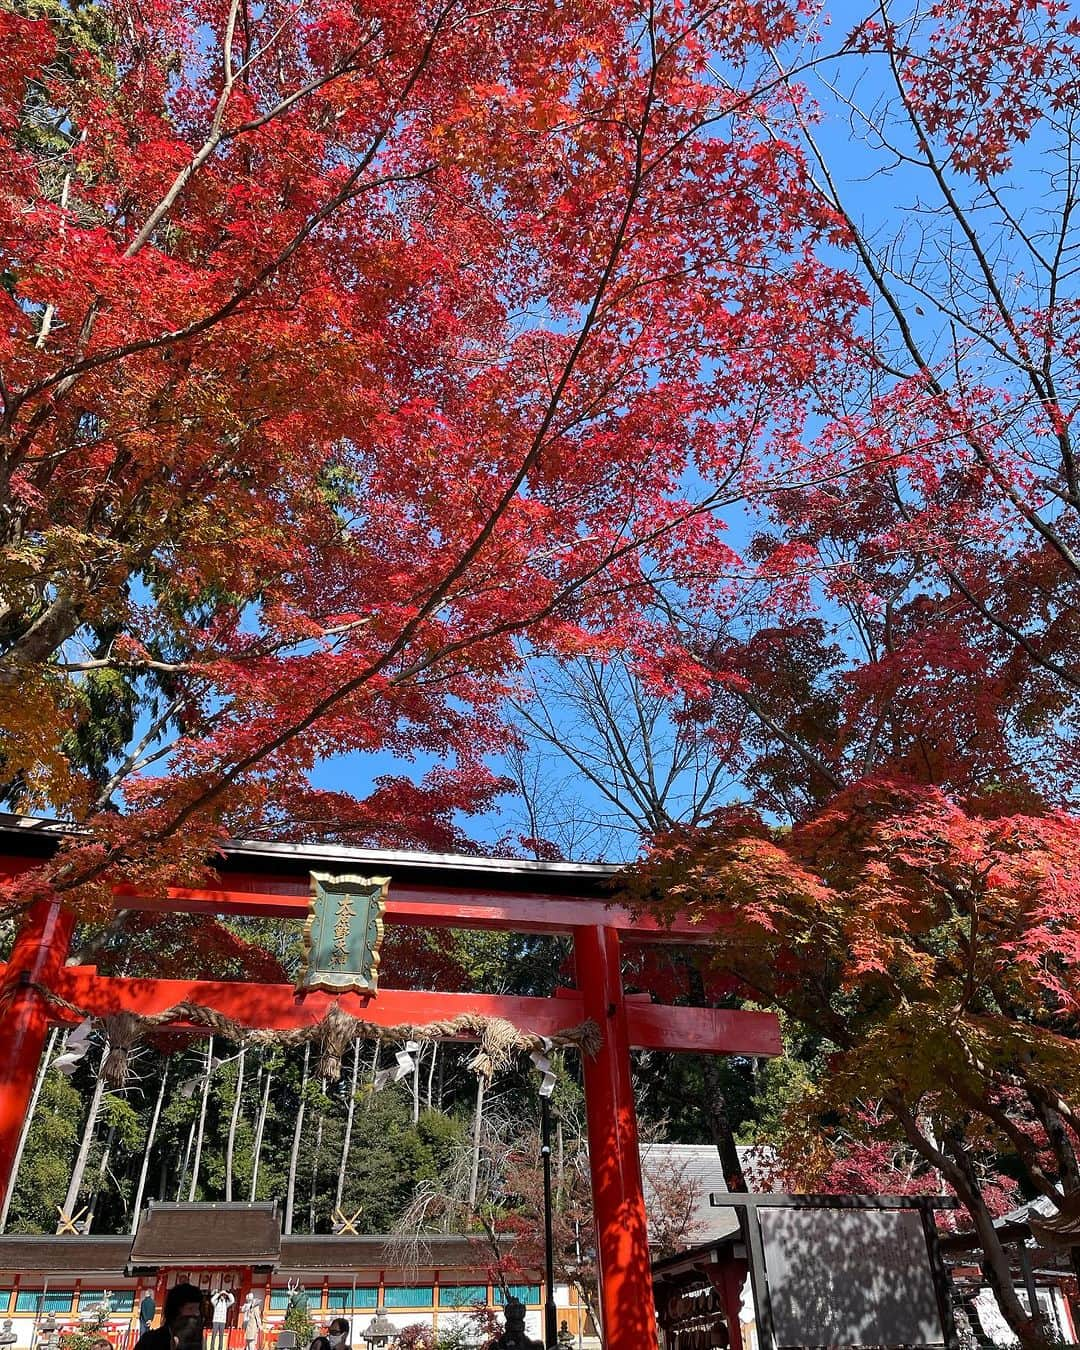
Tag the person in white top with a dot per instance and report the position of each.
(251, 1320)
(221, 1302)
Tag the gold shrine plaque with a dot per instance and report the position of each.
(343, 933)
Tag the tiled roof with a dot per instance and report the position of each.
(207, 1235)
(190, 1236)
(700, 1168)
(49, 1255)
(437, 1251)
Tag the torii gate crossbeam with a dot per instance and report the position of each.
(40, 953)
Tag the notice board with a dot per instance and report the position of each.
(849, 1277)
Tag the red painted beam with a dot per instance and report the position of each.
(411, 904)
(436, 907)
(714, 1031)
(276, 1006)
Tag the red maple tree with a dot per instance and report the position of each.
(935, 949)
(343, 349)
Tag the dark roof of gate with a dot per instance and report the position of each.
(207, 1235)
(34, 837)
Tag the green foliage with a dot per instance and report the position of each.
(298, 1318)
(50, 1151)
(91, 1329)
(120, 1115)
(390, 1154)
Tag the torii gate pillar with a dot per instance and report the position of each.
(38, 955)
(622, 1240)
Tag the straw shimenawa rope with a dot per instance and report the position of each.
(498, 1039)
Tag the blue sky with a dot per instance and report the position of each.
(877, 197)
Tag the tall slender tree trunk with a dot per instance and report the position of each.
(315, 1166)
(431, 1074)
(187, 1158)
(346, 1143)
(103, 1172)
(416, 1086)
(376, 1053)
(24, 1133)
(720, 1126)
(716, 1107)
(79, 1170)
(148, 1148)
(202, 1118)
(294, 1154)
(231, 1143)
(478, 1123)
(260, 1127)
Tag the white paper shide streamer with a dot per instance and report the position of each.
(406, 1064)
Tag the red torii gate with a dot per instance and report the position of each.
(425, 890)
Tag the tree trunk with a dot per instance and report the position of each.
(79, 1170)
(346, 1143)
(151, 1133)
(715, 1101)
(431, 1073)
(955, 1166)
(103, 1172)
(478, 1122)
(560, 1165)
(24, 1133)
(995, 1262)
(231, 1142)
(1065, 1153)
(294, 1154)
(202, 1118)
(256, 1151)
(315, 1166)
(374, 1070)
(720, 1126)
(416, 1085)
(187, 1158)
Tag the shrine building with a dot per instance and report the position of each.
(240, 1247)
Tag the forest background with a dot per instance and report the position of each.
(672, 398)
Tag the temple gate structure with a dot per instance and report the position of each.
(38, 988)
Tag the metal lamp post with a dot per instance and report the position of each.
(551, 1331)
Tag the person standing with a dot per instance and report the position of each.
(251, 1320)
(221, 1303)
(147, 1310)
(181, 1323)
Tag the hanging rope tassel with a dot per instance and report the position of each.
(123, 1031)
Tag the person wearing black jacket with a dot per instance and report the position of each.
(181, 1324)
